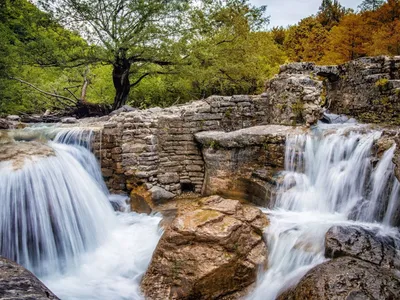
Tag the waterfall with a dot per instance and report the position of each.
(56, 218)
(330, 178)
(53, 209)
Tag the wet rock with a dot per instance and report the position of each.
(17, 153)
(362, 244)
(140, 200)
(346, 278)
(210, 251)
(5, 124)
(13, 118)
(69, 120)
(17, 283)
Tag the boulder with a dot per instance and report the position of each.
(18, 283)
(159, 194)
(69, 120)
(211, 250)
(346, 278)
(362, 244)
(124, 108)
(5, 124)
(13, 118)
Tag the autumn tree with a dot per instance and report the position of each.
(385, 29)
(347, 41)
(306, 41)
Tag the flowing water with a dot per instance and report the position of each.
(56, 215)
(57, 219)
(330, 178)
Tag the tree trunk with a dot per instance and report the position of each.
(121, 81)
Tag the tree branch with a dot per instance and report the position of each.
(41, 91)
(140, 79)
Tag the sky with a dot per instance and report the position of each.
(289, 12)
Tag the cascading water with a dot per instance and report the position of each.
(329, 179)
(56, 219)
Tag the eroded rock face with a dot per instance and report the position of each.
(211, 250)
(367, 89)
(243, 164)
(362, 244)
(296, 95)
(18, 283)
(346, 278)
(5, 124)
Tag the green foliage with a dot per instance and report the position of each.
(381, 82)
(219, 49)
(371, 5)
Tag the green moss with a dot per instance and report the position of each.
(214, 145)
(297, 109)
(228, 112)
(281, 106)
(385, 101)
(206, 215)
(382, 82)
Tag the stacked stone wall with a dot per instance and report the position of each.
(150, 148)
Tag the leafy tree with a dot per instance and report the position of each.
(136, 36)
(227, 56)
(278, 34)
(29, 39)
(330, 13)
(370, 5)
(306, 41)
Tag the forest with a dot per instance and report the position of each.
(55, 55)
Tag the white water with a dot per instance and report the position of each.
(56, 219)
(329, 179)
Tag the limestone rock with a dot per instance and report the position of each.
(17, 283)
(124, 108)
(16, 153)
(346, 278)
(159, 194)
(232, 159)
(13, 118)
(210, 251)
(362, 244)
(69, 120)
(295, 95)
(5, 124)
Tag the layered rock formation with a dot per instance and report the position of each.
(17, 283)
(213, 249)
(367, 89)
(243, 164)
(295, 95)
